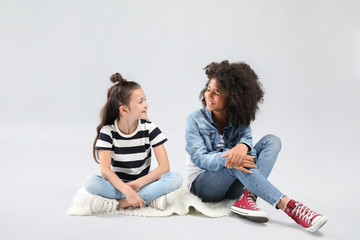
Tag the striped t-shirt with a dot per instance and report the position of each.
(130, 153)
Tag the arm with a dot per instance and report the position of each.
(238, 156)
(163, 167)
(105, 166)
(201, 157)
(246, 138)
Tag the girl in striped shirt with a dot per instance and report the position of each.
(122, 147)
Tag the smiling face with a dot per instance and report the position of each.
(138, 105)
(215, 98)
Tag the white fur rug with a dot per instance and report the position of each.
(180, 202)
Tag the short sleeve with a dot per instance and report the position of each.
(156, 137)
(104, 141)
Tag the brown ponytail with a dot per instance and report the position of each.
(118, 95)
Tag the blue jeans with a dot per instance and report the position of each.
(213, 186)
(167, 183)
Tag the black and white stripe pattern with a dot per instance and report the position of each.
(130, 154)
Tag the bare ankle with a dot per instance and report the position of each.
(283, 202)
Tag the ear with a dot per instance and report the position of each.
(123, 110)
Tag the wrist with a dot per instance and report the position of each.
(245, 146)
(127, 189)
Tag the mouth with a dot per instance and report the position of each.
(144, 111)
(210, 103)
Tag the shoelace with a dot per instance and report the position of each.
(251, 198)
(108, 206)
(303, 212)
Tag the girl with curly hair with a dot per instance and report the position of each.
(222, 162)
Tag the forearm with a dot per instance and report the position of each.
(152, 176)
(110, 176)
(247, 138)
(210, 161)
(163, 167)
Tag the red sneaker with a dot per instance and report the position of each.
(304, 216)
(246, 207)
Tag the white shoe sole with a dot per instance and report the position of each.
(318, 224)
(256, 216)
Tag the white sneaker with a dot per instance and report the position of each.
(103, 205)
(159, 203)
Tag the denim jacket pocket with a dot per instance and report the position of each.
(209, 138)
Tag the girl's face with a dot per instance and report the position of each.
(215, 98)
(138, 105)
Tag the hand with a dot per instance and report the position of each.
(246, 163)
(237, 158)
(235, 155)
(134, 198)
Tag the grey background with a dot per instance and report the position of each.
(56, 58)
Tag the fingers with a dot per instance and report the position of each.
(227, 163)
(142, 203)
(139, 203)
(250, 165)
(231, 160)
(135, 200)
(228, 160)
(235, 160)
(249, 158)
(247, 162)
(244, 170)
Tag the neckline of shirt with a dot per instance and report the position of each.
(127, 135)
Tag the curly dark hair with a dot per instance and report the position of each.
(241, 85)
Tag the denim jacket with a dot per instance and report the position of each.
(202, 137)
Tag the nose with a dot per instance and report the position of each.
(209, 95)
